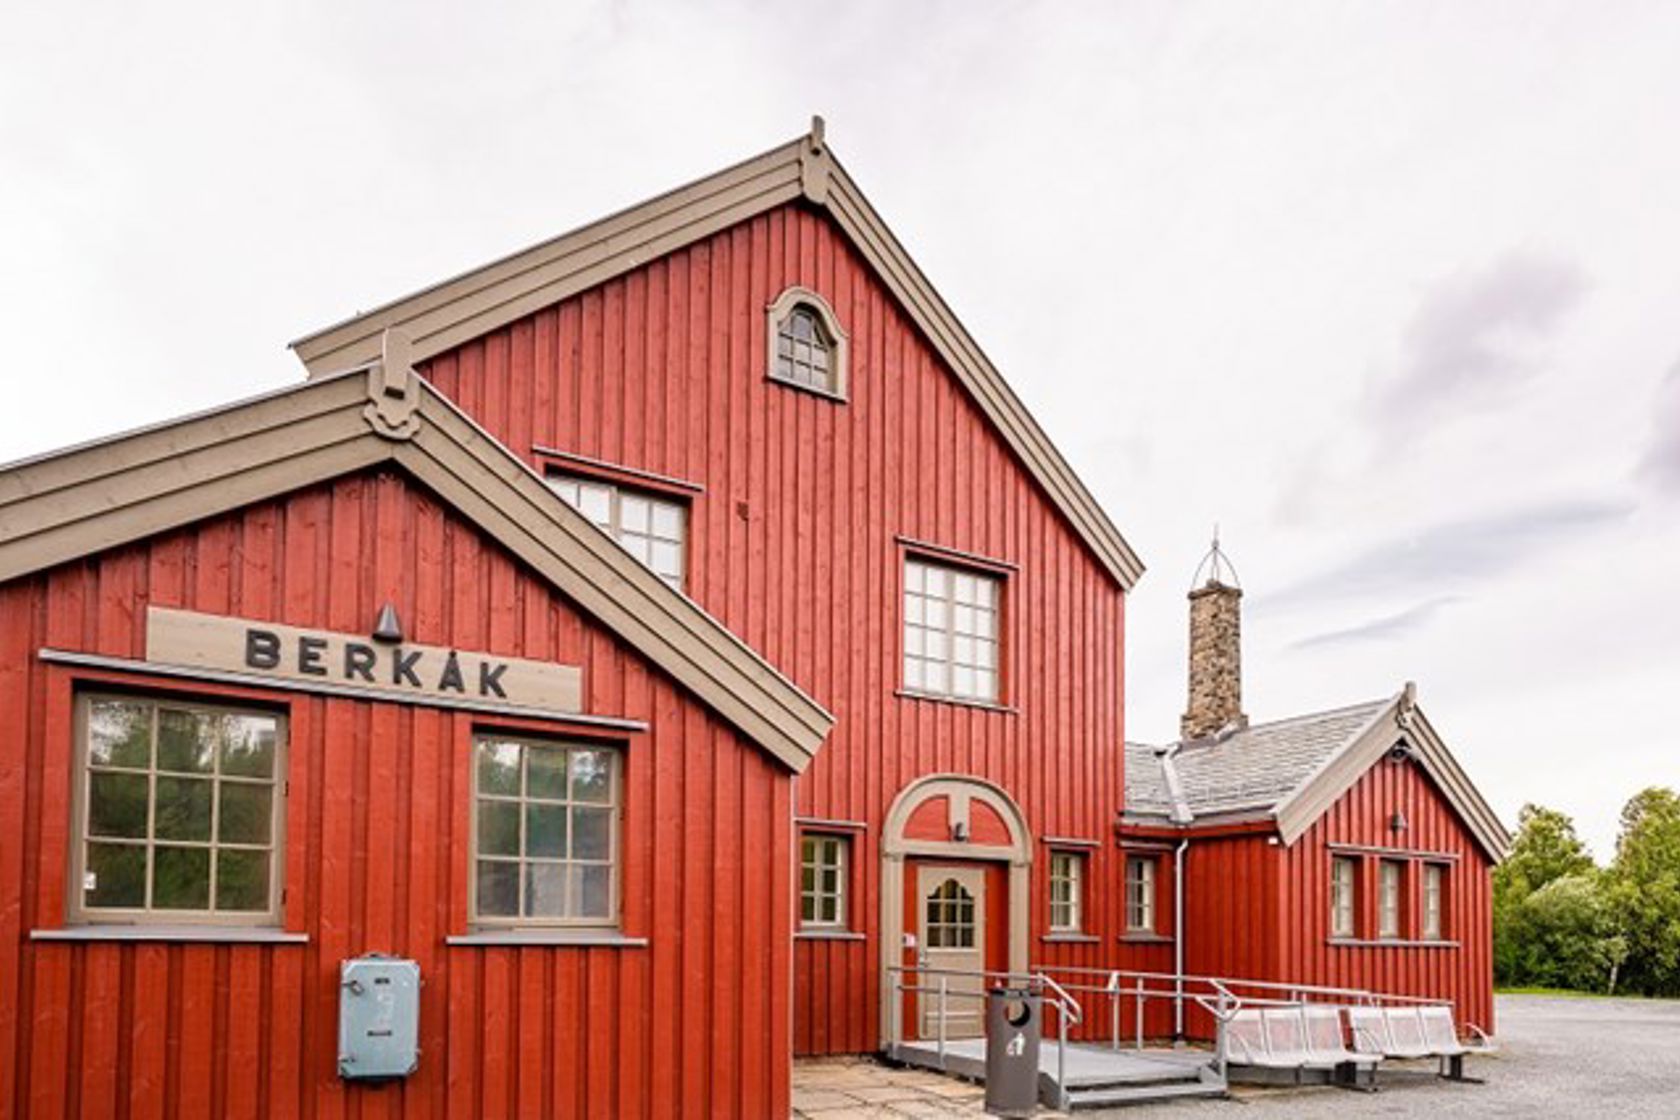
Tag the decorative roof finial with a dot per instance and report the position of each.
(818, 128)
(1217, 565)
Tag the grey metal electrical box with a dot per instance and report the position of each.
(378, 1017)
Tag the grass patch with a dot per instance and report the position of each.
(1562, 993)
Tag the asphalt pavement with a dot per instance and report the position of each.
(1611, 1059)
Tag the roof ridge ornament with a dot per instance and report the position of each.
(1218, 567)
(393, 408)
(814, 162)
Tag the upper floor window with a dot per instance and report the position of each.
(1388, 898)
(951, 631)
(822, 881)
(652, 529)
(1434, 892)
(181, 815)
(1067, 879)
(808, 348)
(1140, 894)
(1342, 878)
(545, 832)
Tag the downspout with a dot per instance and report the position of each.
(1182, 817)
(1178, 941)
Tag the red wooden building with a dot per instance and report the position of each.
(657, 635)
(1342, 849)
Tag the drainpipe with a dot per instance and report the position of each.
(1182, 817)
(1178, 941)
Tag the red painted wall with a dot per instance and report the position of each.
(697, 1023)
(1461, 971)
(1258, 910)
(794, 545)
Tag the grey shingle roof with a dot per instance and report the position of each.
(1248, 771)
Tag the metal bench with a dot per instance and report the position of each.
(1283, 1038)
(1413, 1032)
(1326, 1045)
(1440, 1033)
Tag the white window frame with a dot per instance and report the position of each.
(953, 638)
(1067, 892)
(1344, 896)
(1434, 901)
(614, 861)
(838, 345)
(1140, 894)
(78, 912)
(813, 848)
(1390, 891)
(643, 544)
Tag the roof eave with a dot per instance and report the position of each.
(475, 302)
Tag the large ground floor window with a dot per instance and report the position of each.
(179, 812)
(545, 832)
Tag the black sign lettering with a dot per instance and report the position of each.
(451, 677)
(402, 668)
(359, 661)
(262, 649)
(490, 678)
(309, 656)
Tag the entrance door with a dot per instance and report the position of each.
(951, 933)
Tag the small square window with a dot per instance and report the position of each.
(950, 631)
(1140, 894)
(1067, 891)
(822, 881)
(649, 527)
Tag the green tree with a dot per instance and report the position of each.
(1545, 850)
(1565, 936)
(1644, 891)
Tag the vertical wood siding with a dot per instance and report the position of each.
(794, 546)
(1462, 972)
(697, 1023)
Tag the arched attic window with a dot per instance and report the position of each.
(807, 346)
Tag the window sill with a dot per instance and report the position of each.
(959, 701)
(1145, 939)
(828, 935)
(252, 935)
(580, 938)
(798, 386)
(1069, 937)
(1389, 943)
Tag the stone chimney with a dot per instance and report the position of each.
(1215, 650)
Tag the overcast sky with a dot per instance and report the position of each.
(1391, 292)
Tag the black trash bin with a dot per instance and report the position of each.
(1014, 1026)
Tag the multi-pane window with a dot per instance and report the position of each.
(822, 881)
(649, 528)
(805, 351)
(950, 917)
(545, 832)
(950, 631)
(1140, 894)
(1388, 898)
(180, 812)
(1067, 876)
(1434, 890)
(1342, 876)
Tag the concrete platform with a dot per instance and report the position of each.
(1089, 1075)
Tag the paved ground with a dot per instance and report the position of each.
(1606, 1059)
